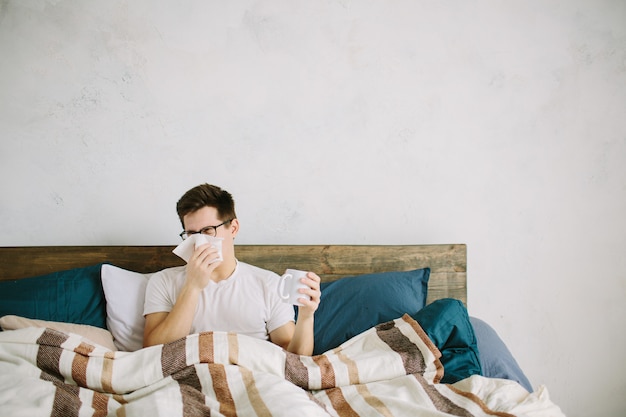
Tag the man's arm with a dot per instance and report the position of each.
(164, 327)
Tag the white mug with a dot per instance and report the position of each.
(290, 284)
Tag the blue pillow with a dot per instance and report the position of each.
(352, 305)
(448, 325)
(72, 296)
(496, 359)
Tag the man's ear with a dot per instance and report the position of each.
(234, 227)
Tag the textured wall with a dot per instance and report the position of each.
(499, 125)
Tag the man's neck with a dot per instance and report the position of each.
(224, 271)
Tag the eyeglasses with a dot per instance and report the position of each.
(209, 230)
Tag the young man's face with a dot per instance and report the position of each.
(207, 216)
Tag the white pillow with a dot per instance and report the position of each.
(95, 334)
(125, 293)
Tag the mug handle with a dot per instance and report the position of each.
(281, 286)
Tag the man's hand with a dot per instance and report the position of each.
(308, 307)
(201, 265)
(299, 338)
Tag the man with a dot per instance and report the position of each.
(228, 295)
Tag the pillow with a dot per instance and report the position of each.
(71, 296)
(447, 324)
(125, 293)
(495, 357)
(95, 334)
(352, 305)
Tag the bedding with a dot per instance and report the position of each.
(94, 334)
(433, 359)
(391, 369)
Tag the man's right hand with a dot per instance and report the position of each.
(203, 262)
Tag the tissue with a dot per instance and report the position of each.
(187, 247)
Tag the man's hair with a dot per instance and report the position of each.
(206, 195)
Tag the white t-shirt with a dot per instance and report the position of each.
(247, 302)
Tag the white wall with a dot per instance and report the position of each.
(497, 124)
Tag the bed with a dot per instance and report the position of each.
(392, 338)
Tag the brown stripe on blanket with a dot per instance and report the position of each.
(441, 402)
(122, 400)
(193, 399)
(409, 352)
(49, 353)
(233, 348)
(79, 363)
(326, 371)
(188, 376)
(480, 403)
(339, 403)
(295, 371)
(173, 356)
(52, 337)
(120, 412)
(353, 370)
(222, 392)
(373, 401)
(106, 378)
(205, 347)
(253, 394)
(429, 344)
(194, 404)
(66, 402)
(422, 334)
(84, 348)
(100, 403)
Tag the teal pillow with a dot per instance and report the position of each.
(352, 305)
(72, 296)
(448, 325)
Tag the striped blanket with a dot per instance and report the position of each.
(390, 370)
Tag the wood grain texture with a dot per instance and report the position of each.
(448, 263)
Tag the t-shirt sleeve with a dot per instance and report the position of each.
(281, 313)
(158, 295)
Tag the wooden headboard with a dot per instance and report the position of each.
(448, 263)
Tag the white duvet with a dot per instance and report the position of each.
(390, 370)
